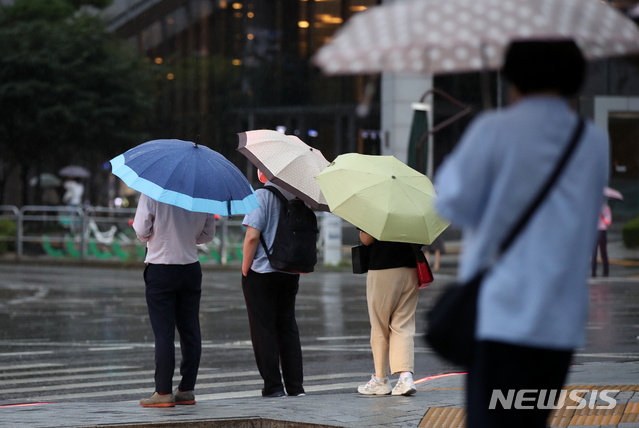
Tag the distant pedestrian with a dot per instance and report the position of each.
(173, 278)
(270, 300)
(605, 219)
(73, 192)
(532, 307)
(392, 290)
(73, 198)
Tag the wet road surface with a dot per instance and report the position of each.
(83, 334)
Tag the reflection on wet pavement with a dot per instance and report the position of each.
(84, 333)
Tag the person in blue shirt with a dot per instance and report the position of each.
(270, 301)
(533, 304)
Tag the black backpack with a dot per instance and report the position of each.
(295, 245)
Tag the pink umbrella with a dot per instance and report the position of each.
(612, 194)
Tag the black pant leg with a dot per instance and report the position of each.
(260, 296)
(188, 323)
(504, 367)
(603, 247)
(593, 259)
(288, 335)
(160, 299)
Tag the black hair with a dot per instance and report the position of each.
(534, 66)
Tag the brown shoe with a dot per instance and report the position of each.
(158, 400)
(184, 397)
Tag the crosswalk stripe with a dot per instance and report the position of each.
(19, 354)
(119, 382)
(111, 348)
(59, 371)
(258, 393)
(138, 391)
(106, 375)
(30, 366)
(366, 337)
(74, 377)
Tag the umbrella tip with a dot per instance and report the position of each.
(197, 140)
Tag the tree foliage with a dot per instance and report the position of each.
(70, 92)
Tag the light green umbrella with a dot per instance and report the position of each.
(383, 197)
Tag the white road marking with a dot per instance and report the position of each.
(344, 338)
(121, 382)
(18, 354)
(29, 366)
(75, 377)
(627, 355)
(258, 393)
(112, 348)
(59, 371)
(199, 386)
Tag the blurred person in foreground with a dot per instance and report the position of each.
(173, 279)
(533, 304)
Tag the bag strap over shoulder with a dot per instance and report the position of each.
(552, 179)
(539, 198)
(276, 192)
(284, 201)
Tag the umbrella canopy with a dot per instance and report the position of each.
(469, 35)
(74, 171)
(288, 162)
(186, 175)
(382, 196)
(612, 193)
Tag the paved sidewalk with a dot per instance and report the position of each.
(440, 399)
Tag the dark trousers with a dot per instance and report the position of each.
(602, 243)
(173, 297)
(270, 302)
(500, 366)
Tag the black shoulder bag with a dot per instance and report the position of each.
(451, 322)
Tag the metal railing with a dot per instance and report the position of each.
(102, 233)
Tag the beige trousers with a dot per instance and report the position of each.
(392, 299)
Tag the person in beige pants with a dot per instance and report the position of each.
(391, 292)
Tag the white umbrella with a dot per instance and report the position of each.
(612, 193)
(288, 162)
(74, 171)
(428, 36)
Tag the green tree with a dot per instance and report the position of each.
(70, 92)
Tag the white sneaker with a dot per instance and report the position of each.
(375, 387)
(404, 387)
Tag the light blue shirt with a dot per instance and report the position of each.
(265, 218)
(171, 233)
(537, 294)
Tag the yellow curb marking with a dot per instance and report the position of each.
(454, 417)
(444, 417)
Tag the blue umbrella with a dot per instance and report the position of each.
(186, 175)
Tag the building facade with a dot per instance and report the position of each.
(227, 66)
